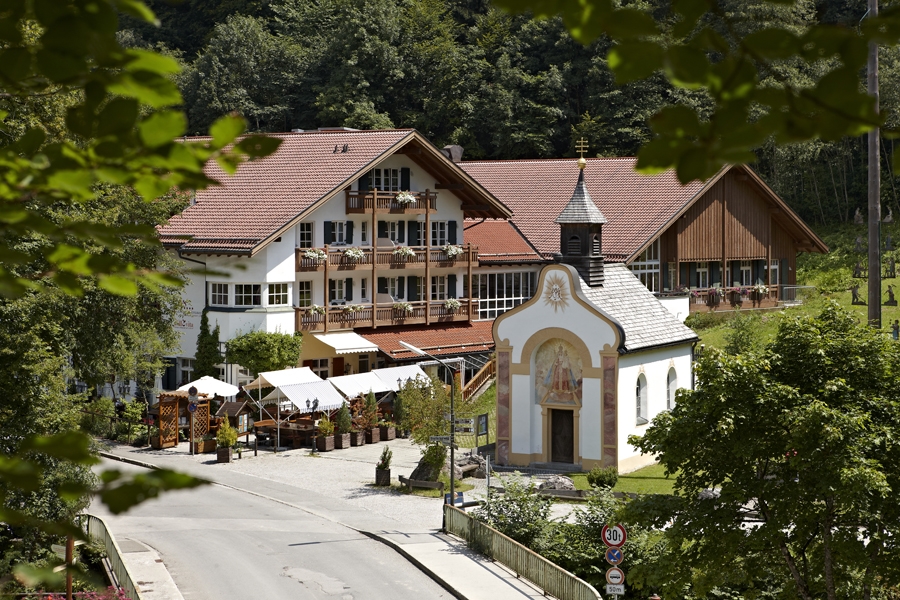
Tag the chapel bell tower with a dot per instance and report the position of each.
(580, 224)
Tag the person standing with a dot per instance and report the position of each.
(895, 329)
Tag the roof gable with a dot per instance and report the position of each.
(267, 196)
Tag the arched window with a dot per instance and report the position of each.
(640, 399)
(574, 246)
(595, 245)
(671, 386)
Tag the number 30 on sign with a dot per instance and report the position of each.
(613, 536)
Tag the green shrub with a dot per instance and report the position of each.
(98, 423)
(326, 426)
(384, 463)
(343, 422)
(705, 320)
(518, 512)
(603, 477)
(435, 455)
(227, 435)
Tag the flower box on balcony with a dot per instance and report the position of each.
(406, 198)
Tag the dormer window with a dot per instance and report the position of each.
(573, 247)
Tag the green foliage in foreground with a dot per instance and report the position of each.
(800, 440)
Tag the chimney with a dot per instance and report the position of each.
(453, 152)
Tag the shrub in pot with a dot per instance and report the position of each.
(206, 444)
(343, 425)
(154, 438)
(357, 437)
(387, 430)
(325, 439)
(226, 439)
(383, 468)
(368, 420)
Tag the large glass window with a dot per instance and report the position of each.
(305, 235)
(319, 366)
(646, 267)
(247, 294)
(500, 292)
(278, 294)
(218, 294)
(640, 400)
(187, 370)
(386, 180)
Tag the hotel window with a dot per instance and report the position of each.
(386, 180)
(393, 288)
(500, 292)
(363, 363)
(247, 294)
(304, 293)
(364, 233)
(746, 273)
(305, 235)
(364, 289)
(319, 366)
(393, 230)
(439, 233)
(773, 275)
(672, 275)
(187, 370)
(439, 287)
(336, 290)
(646, 267)
(338, 232)
(703, 275)
(640, 393)
(278, 294)
(244, 376)
(218, 294)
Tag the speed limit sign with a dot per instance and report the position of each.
(613, 536)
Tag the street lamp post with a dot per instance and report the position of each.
(421, 352)
(313, 407)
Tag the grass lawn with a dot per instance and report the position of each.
(649, 480)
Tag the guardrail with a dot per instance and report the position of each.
(474, 384)
(96, 528)
(551, 578)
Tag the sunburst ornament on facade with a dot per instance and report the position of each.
(555, 292)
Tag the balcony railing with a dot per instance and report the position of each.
(400, 313)
(386, 202)
(338, 260)
(730, 298)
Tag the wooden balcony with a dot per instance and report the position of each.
(361, 315)
(359, 202)
(733, 298)
(337, 260)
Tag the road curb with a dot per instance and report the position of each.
(396, 547)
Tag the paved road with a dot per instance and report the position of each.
(222, 544)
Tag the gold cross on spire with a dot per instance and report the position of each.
(581, 148)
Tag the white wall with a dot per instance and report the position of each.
(679, 306)
(655, 365)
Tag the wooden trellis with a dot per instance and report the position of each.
(172, 406)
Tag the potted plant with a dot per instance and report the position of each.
(315, 254)
(383, 468)
(207, 443)
(402, 309)
(155, 442)
(406, 198)
(315, 309)
(343, 424)
(387, 430)
(357, 436)
(452, 304)
(226, 439)
(452, 250)
(325, 439)
(405, 252)
(353, 254)
(369, 419)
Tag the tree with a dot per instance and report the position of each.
(424, 405)
(799, 444)
(261, 351)
(707, 45)
(208, 356)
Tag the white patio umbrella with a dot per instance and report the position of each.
(212, 386)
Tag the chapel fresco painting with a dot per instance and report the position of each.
(557, 373)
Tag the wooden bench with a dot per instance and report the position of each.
(427, 485)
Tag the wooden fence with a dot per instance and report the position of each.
(474, 384)
(552, 579)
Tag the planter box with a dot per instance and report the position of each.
(387, 433)
(342, 441)
(382, 477)
(223, 455)
(373, 436)
(325, 443)
(204, 446)
(155, 443)
(357, 438)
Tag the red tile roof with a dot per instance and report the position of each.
(635, 205)
(436, 339)
(265, 195)
(499, 241)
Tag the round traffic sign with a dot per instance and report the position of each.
(613, 536)
(614, 556)
(192, 406)
(615, 576)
